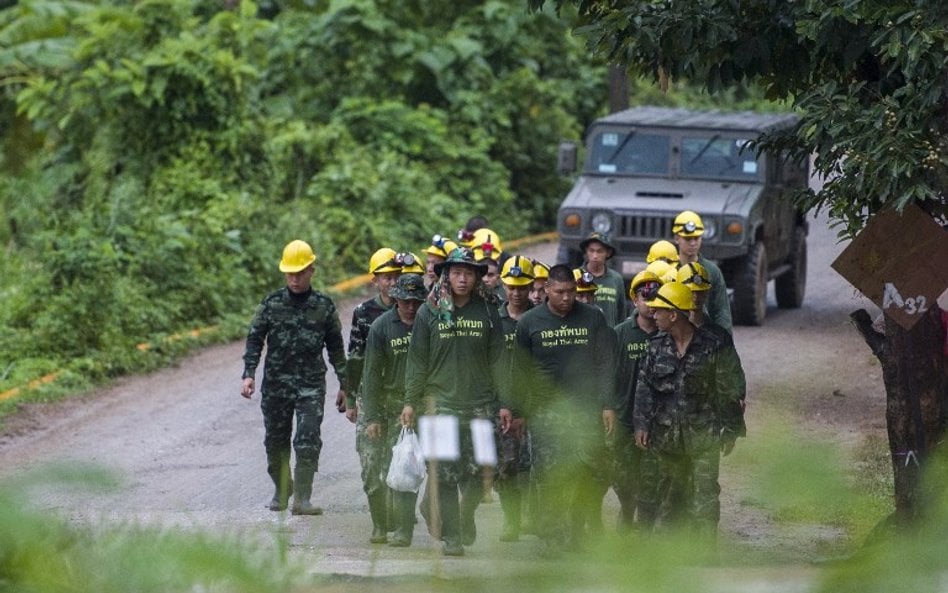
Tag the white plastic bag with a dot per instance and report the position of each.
(407, 470)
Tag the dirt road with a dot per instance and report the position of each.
(188, 450)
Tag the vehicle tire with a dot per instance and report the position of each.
(791, 286)
(750, 287)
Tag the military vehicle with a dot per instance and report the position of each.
(645, 165)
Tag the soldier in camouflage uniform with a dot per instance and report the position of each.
(383, 400)
(634, 477)
(513, 462)
(688, 409)
(296, 324)
(566, 371)
(453, 363)
(385, 267)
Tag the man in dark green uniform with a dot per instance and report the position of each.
(633, 483)
(688, 409)
(567, 371)
(513, 458)
(385, 267)
(383, 400)
(610, 297)
(296, 323)
(688, 229)
(453, 366)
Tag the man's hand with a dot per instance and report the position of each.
(506, 418)
(352, 414)
(641, 439)
(373, 431)
(246, 388)
(727, 445)
(407, 417)
(609, 421)
(341, 401)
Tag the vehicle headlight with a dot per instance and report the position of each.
(602, 223)
(710, 229)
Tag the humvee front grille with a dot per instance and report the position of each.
(648, 227)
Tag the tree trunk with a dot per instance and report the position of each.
(916, 384)
(618, 88)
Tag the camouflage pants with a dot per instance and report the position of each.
(572, 476)
(635, 481)
(688, 489)
(278, 413)
(375, 456)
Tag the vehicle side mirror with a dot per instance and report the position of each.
(566, 158)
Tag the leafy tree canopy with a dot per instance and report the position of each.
(866, 76)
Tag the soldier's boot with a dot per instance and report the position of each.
(510, 503)
(450, 520)
(472, 493)
(303, 489)
(404, 515)
(278, 466)
(377, 511)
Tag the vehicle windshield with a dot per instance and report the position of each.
(718, 158)
(629, 153)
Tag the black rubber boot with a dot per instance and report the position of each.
(450, 519)
(510, 503)
(377, 509)
(278, 466)
(404, 516)
(302, 490)
(472, 493)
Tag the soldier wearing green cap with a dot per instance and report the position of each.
(453, 363)
(383, 399)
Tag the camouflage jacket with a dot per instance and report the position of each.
(295, 330)
(362, 318)
(687, 404)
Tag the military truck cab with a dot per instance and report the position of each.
(645, 165)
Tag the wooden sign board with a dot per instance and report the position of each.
(900, 262)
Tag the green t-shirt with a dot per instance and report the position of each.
(610, 296)
(718, 307)
(383, 376)
(632, 345)
(567, 358)
(456, 363)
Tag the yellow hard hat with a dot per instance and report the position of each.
(383, 261)
(297, 256)
(541, 271)
(663, 250)
(647, 280)
(441, 246)
(671, 275)
(694, 276)
(673, 295)
(410, 263)
(486, 244)
(688, 224)
(659, 268)
(584, 281)
(517, 271)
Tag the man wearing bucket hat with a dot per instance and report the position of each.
(296, 323)
(453, 369)
(688, 410)
(383, 398)
(688, 229)
(611, 294)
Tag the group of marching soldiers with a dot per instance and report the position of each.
(589, 386)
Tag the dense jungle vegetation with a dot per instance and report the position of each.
(155, 156)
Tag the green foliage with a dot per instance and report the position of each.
(41, 553)
(865, 76)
